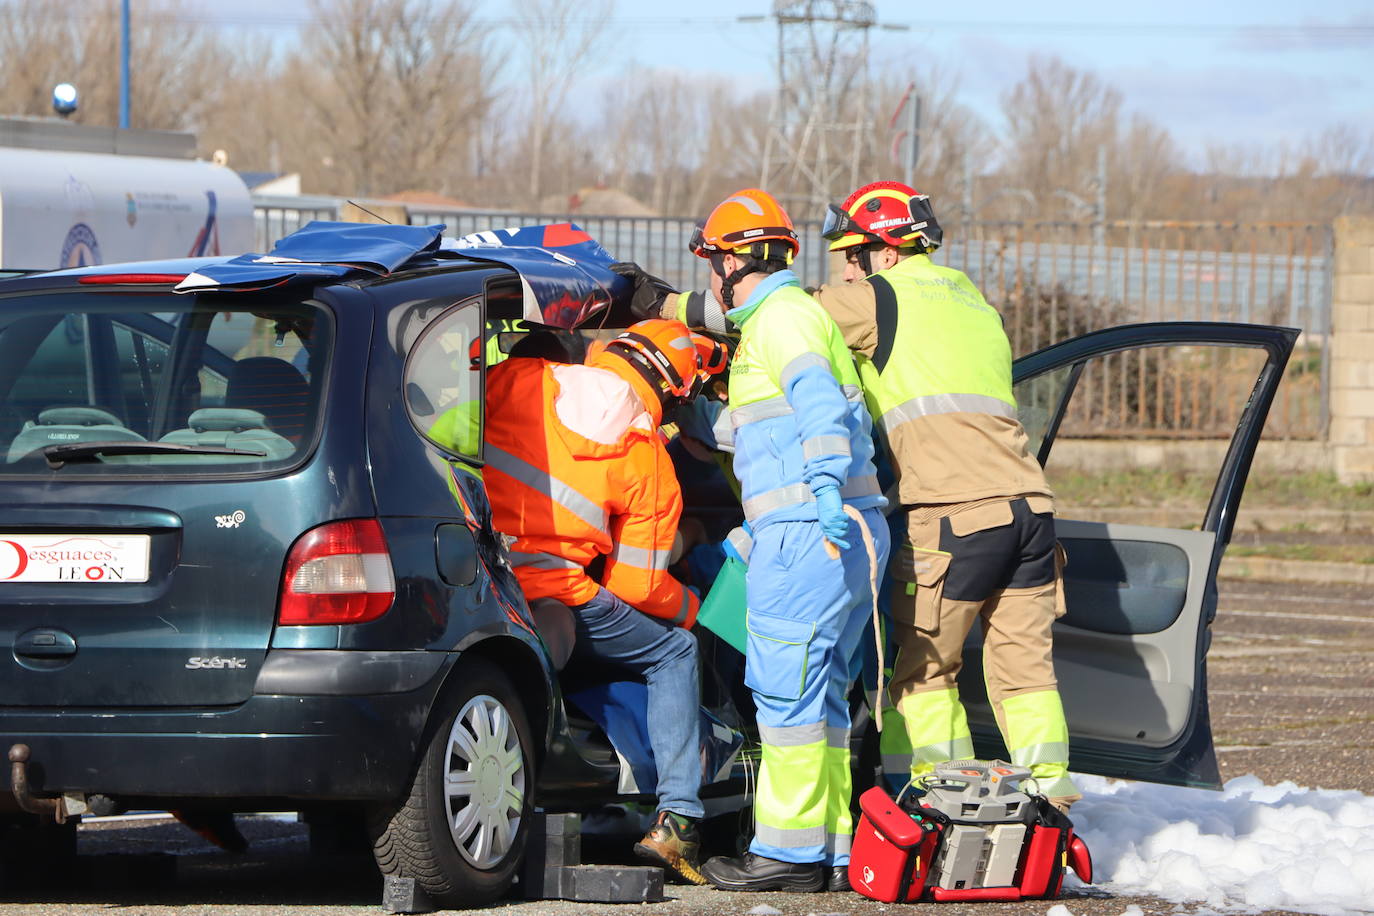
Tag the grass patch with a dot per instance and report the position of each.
(1328, 553)
(1161, 488)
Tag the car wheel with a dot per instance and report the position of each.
(460, 832)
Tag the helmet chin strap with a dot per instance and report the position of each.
(727, 289)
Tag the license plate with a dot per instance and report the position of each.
(88, 558)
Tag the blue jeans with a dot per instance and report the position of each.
(609, 630)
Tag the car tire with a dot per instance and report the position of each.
(460, 831)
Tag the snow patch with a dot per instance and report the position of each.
(1250, 846)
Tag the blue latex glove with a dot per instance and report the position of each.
(830, 511)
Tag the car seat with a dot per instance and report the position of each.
(232, 428)
(275, 389)
(65, 425)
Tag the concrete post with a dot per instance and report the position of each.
(1352, 351)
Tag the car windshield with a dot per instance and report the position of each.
(130, 383)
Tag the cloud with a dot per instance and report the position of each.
(1269, 106)
(1357, 33)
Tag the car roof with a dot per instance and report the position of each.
(164, 266)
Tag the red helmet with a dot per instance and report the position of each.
(886, 213)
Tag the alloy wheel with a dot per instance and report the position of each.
(484, 781)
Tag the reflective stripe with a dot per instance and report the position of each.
(724, 431)
(790, 837)
(836, 736)
(897, 765)
(932, 404)
(799, 493)
(1055, 785)
(792, 735)
(769, 408)
(544, 482)
(543, 561)
(766, 409)
(1048, 752)
(953, 749)
(640, 557)
(838, 843)
(742, 542)
(685, 608)
(801, 364)
(818, 446)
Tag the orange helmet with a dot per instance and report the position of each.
(745, 223)
(883, 213)
(667, 355)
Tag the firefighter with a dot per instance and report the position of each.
(803, 453)
(575, 470)
(935, 365)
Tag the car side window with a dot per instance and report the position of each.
(1102, 403)
(443, 380)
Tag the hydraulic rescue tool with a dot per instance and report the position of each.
(968, 831)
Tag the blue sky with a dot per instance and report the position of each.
(1258, 72)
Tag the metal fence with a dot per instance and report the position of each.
(1052, 281)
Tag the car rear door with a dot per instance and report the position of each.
(1130, 653)
(152, 579)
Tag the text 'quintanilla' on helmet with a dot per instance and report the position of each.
(883, 213)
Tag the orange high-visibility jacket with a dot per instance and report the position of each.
(575, 468)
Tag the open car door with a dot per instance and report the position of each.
(1130, 652)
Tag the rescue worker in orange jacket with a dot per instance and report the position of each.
(935, 366)
(576, 471)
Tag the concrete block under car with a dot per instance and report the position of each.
(403, 895)
(553, 869)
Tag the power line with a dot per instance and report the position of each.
(1320, 31)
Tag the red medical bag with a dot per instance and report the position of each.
(972, 836)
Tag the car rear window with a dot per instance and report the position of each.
(134, 383)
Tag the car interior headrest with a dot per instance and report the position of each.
(77, 416)
(225, 419)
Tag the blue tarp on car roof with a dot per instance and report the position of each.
(565, 275)
(319, 250)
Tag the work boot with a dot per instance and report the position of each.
(753, 872)
(837, 878)
(674, 843)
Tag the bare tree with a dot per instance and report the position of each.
(391, 86)
(180, 74)
(1057, 120)
(560, 38)
(1139, 164)
(955, 145)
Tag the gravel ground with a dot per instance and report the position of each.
(1292, 698)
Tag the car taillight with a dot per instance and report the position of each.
(132, 279)
(337, 573)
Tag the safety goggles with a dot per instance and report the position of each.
(698, 239)
(838, 223)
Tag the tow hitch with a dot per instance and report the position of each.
(59, 809)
